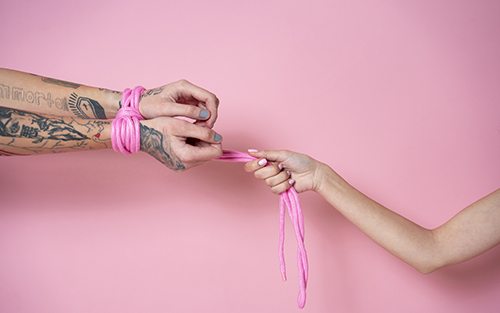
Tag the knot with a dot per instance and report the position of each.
(125, 128)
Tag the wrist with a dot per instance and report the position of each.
(328, 179)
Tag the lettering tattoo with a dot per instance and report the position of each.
(85, 107)
(152, 92)
(38, 98)
(60, 82)
(153, 143)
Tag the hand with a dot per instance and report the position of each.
(178, 144)
(288, 169)
(180, 99)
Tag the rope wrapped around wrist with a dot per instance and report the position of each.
(125, 128)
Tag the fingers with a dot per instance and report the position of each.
(180, 99)
(273, 175)
(177, 109)
(206, 99)
(188, 130)
(279, 156)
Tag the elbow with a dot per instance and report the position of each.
(426, 269)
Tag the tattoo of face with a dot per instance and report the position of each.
(85, 107)
(153, 143)
(151, 92)
(20, 124)
(60, 83)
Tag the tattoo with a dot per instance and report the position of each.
(60, 82)
(20, 124)
(153, 143)
(109, 91)
(24, 133)
(85, 107)
(152, 92)
(38, 98)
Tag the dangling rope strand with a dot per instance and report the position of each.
(288, 198)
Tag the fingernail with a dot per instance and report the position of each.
(291, 181)
(288, 172)
(213, 124)
(203, 114)
(262, 162)
(217, 137)
(253, 150)
(280, 166)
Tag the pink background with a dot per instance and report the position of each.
(401, 98)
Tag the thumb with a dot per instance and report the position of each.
(271, 155)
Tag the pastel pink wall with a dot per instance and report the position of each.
(399, 97)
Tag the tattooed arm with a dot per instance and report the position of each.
(25, 133)
(39, 94)
(177, 144)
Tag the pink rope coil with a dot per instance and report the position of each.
(290, 199)
(125, 128)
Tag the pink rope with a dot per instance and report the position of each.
(290, 199)
(125, 128)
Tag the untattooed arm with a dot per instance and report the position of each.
(470, 233)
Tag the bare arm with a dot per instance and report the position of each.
(471, 232)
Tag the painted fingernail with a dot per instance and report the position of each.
(262, 162)
(217, 137)
(280, 166)
(213, 124)
(288, 172)
(291, 181)
(203, 114)
(253, 150)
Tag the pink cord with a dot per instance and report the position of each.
(290, 199)
(125, 128)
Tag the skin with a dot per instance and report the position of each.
(37, 94)
(43, 115)
(473, 231)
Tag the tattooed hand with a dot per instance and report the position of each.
(180, 99)
(178, 144)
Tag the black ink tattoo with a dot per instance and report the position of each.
(151, 92)
(60, 82)
(38, 98)
(153, 143)
(21, 124)
(85, 107)
(109, 91)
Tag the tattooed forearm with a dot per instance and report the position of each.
(29, 133)
(85, 107)
(33, 97)
(20, 124)
(153, 143)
